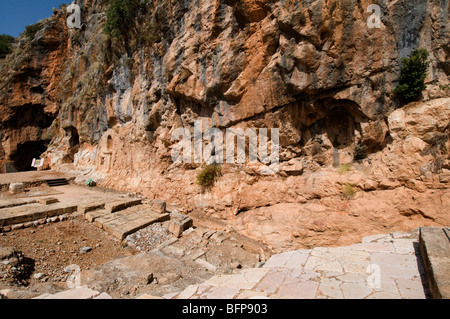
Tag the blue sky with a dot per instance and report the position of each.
(15, 15)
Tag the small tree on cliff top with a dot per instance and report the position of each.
(6, 42)
(413, 75)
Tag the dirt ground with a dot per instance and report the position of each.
(120, 268)
(52, 247)
(109, 262)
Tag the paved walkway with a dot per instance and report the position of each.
(381, 267)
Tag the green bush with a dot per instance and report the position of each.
(31, 30)
(413, 75)
(207, 177)
(6, 42)
(121, 17)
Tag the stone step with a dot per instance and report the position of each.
(16, 202)
(93, 215)
(91, 206)
(119, 205)
(125, 222)
(57, 182)
(33, 212)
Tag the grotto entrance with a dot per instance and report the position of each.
(73, 140)
(26, 152)
(340, 127)
(335, 131)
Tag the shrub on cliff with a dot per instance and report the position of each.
(413, 75)
(207, 177)
(31, 30)
(6, 42)
(348, 191)
(121, 17)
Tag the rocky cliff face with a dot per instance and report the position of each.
(312, 69)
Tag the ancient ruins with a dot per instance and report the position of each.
(331, 185)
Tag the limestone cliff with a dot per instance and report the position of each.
(313, 69)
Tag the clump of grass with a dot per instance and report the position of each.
(344, 168)
(348, 191)
(208, 176)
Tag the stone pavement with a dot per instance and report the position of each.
(76, 293)
(30, 178)
(381, 267)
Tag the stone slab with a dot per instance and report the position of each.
(299, 290)
(48, 201)
(77, 293)
(22, 214)
(126, 225)
(435, 251)
(220, 293)
(119, 205)
(104, 296)
(396, 265)
(89, 207)
(93, 215)
(206, 264)
(16, 202)
(33, 212)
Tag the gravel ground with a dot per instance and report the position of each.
(150, 237)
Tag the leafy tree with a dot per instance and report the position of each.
(413, 75)
(6, 42)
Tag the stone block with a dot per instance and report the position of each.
(48, 201)
(179, 223)
(16, 188)
(85, 208)
(159, 206)
(121, 205)
(93, 215)
(435, 251)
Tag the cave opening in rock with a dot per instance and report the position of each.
(26, 152)
(74, 139)
(109, 143)
(332, 136)
(340, 126)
